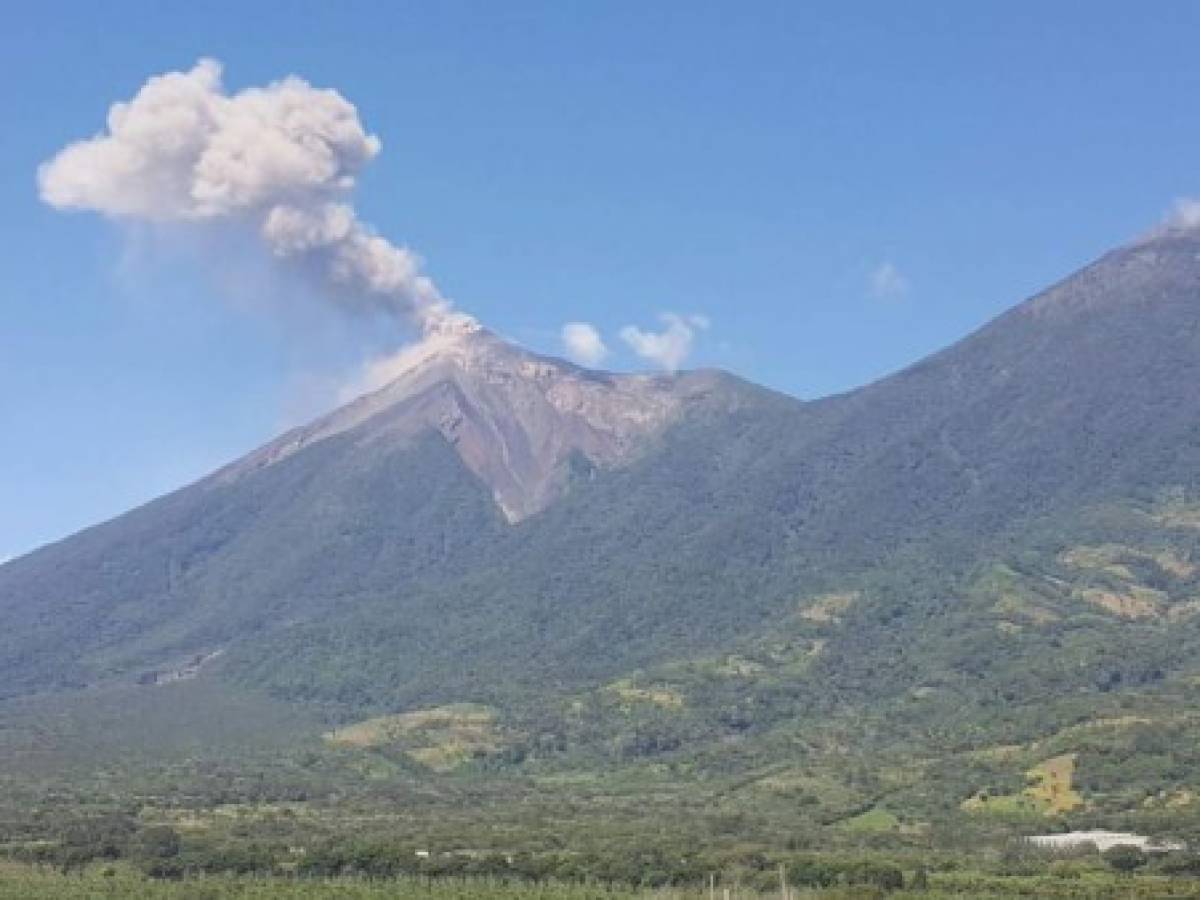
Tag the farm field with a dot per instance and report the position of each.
(28, 883)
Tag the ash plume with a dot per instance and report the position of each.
(283, 159)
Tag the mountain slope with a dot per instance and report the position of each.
(517, 420)
(420, 481)
(1078, 392)
(501, 527)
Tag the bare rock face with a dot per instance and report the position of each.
(519, 421)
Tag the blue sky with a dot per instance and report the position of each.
(839, 188)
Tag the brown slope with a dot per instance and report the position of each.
(516, 419)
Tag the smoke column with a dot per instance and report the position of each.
(282, 158)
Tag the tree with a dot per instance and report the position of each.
(1125, 857)
(158, 842)
(920, 881)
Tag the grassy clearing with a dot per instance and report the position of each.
(873, 821)
(1105, 558)
(735, 666)
(1018, 599)
(441, 738)
(657, 695)
(1050, 792)
(1113, 582)
(828, 608)
(1178, 513)
(1135, 602)
(1181, 612)
(1135, 583)
(1000, 804)
(1052, 785)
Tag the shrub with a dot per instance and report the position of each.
(1125, 857)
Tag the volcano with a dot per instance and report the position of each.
(496, 526)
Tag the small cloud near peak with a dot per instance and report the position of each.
(669, 347)
(886, 282)
(1184, 214)
(583, 344)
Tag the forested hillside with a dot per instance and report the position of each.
(963, 600)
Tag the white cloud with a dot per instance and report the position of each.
(283, 158)
(1185, 213)
(887, 282)
(668, 348)
(583, 343)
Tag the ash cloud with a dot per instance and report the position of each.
(282, 158)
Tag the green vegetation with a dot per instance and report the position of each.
(1125, 858)
(887, 633)
(1049, 792)
(1069, 879)
(791, 745)
(1051, 785)
(114, 881)
(442, 738)
(872, 821)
